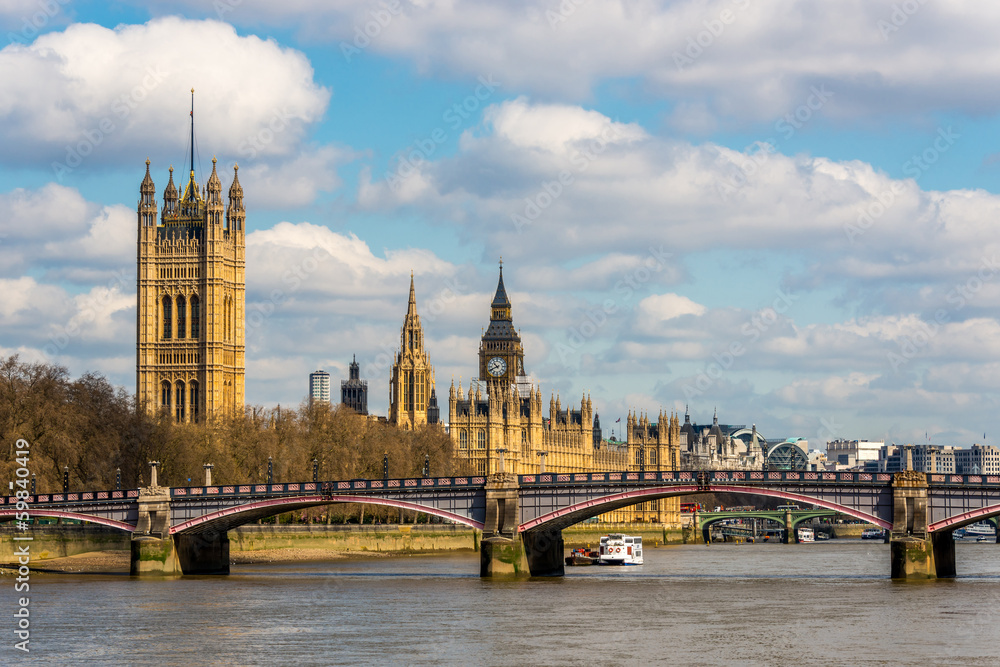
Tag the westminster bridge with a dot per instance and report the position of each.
(183, 530)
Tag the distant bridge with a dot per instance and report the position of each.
(184, 529)
(788, 518)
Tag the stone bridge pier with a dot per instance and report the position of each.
(916, 553)
(504, 552)
(157, 553)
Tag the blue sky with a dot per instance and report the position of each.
(785, 210)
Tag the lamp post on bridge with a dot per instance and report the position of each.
(118, 479)
(153, 465)
(66, 479)
(270, 470)
(315, 470)
(385, 466)
(32, 483)
(427, 465)
(542, 456)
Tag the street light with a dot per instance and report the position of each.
(427, 465)
(270, 470)
(315, 470)
(66, 479)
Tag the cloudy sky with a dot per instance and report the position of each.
(783, 209)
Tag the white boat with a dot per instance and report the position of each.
(806, 535)
(618, 549)
(872, 534)
(981, 529)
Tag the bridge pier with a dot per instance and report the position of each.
(790, 536)
(203, 553)
(501, 551)
(153, 553)
(506, 553)
(915, 553)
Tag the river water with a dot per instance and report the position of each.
(801, 604)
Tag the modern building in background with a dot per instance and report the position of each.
(852, 453)
(978, 460)
(191, 293)
(354, 390)
(319, 387)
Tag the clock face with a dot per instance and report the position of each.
(496, 366)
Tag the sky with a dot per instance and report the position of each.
(781, 210)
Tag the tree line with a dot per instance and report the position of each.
(94, 429)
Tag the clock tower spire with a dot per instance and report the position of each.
(501, 357)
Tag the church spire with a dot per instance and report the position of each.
(411, 309)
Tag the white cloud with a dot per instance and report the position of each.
(738, 61)
(108, 91)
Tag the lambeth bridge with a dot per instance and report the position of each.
(184, 529)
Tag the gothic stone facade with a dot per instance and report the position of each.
(503, 411)
(190, 337)
(412, 402)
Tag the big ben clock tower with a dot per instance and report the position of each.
(501, 357)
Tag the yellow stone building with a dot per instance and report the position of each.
(190, 335)
(499, 425)
(412, 399)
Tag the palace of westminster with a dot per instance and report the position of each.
(190, 361)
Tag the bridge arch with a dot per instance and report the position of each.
(991, 513)
(573, 514)
(238, 515)
(9, 515)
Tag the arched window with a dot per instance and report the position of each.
(165, 395)
(179, 404)
(195, 317)
(168, 318)
(482, 439)
(194, 400)
(463, 439)
(181, 317)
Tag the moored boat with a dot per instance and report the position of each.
(981, 529)
(582, 557)
(872, 534)
(806, 535)
(618, 549)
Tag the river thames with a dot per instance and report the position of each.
(808, 604)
